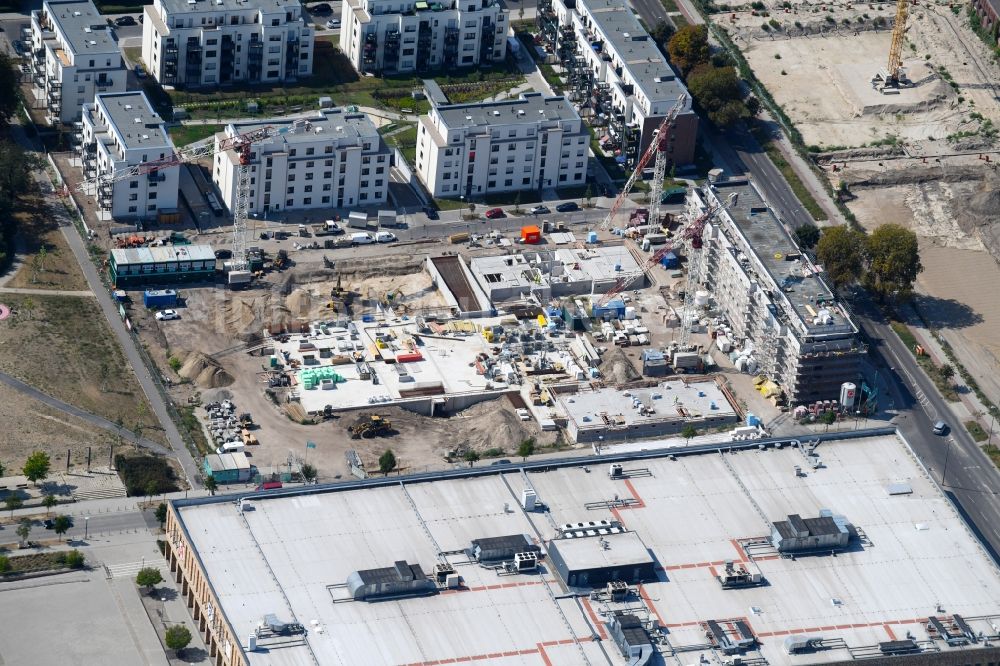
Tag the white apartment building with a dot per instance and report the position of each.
(772, 295)
(333, 160)
(530, 143)
(396, 36)
(122, 130)
(216, 42)
(620, 73)
(74, 56)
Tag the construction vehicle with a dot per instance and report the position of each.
(280, 261)
(370, 426)
(249, 439)
(239, 270)
(892, 77)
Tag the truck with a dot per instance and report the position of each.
(328, 228)
(357, 220)
(387, 219)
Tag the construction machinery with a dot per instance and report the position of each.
(370, 426)
(239, 269)
(894, 75)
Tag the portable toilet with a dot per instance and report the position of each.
(531, 234)
(591, 236)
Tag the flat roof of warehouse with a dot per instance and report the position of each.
(289, 555)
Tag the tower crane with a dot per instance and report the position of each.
(894, 73)
(243, 144)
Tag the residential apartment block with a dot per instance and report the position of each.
(74, 55)
(396, 36)
(333, 160)
(772, 295)
(214, 42)
(122, 130)
(616, 71)
(529, 143)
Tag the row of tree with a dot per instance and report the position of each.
(886, 262)
(15, 163)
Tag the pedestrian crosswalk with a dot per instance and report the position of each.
(130, 569)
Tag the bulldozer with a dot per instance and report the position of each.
(370, 426)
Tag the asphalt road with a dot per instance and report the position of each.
(651, 11)
(955, 461)
(124, 521)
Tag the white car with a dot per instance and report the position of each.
(385, 237)
(167, 315)
(333, 24)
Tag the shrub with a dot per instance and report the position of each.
(777, 56)
(139, 473)
(74, 559)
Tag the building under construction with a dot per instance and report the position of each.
(793, 330)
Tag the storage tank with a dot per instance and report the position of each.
(848, 394)
(701, 298)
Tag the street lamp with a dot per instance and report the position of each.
(86, 527)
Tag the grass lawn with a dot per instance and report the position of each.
(65, 348)
(451, 204)
(669, 5)
(976, 431)
(993, 452)
(798, 188)
(679, 20)
(56, 267)
(182, 135)
(37, 561)
(133, 54)
(406, 141)
(334, 76)
(513, 198)
(575, 192)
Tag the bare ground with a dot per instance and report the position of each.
(56, 268)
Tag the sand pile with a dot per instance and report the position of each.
(979, 215)
(616, 368)
(204, 372)
(300, 303)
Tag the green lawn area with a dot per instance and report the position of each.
(513, 198)
(976, 431)
(334, 76)
(993, 452)
(679, 20)
(669, 5)
(133, 54)
(575, 192)
(798, 188)
(406, 141)
(450, 204)
(182, 135)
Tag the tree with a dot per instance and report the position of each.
(13, 502)
(151, 488)
(828, 417)
(387, 462)
(688, 432)
(3, 469)
(308, 473)
(893, 261)
(74, 559)
(148, 577)
(62, 524)
(661, 34)
(161, 514)
(717, 90)
(839, 250)
(689, 48)
(211, 485)
(947, 371)
(517, 202)
(471, 456)
(36, 467)
(807, 236)
(472, 209)
(48, 502)
(177, 637)
(588, 195)
(24, 529)
(10, 97)
(526, 448)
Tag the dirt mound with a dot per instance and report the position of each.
(860, 153)
(913, 176)
(979, 215)
(616, 368)
(204, 372)
(300, 303)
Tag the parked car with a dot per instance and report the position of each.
(431, 213)
(223, 254)
(539, 210)
(140, 71)
(321, 8)
(333, 24)
(385, 237)
(567, 207)
(502, 461)
(494, 213)
(167, 315)
(940, 428)
(124, 20)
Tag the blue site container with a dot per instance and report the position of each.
(670, 260)
(159, 298)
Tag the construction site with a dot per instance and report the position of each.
(921, 152)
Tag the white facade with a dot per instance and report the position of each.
(74, 57)
(627, 78)
(394, 36)
(211, 42)
(333, 160)
(529, 143)
(122, 130)
(772, 296)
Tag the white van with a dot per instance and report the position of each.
(231, 447)
(362, 238)
(384, 237)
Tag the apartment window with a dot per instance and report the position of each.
(579, 165)
(508, 182)
(468, 47)
(133, 185)
(326, 200)
(562, 178)
(309, 176)
(291, 153)
(291, 178)
(291, 190)
(495, 148)
(309, 188)
(326, 187)
(379, 170)
(525, 181)
(328, 150)
(471, 24)
(133, 197)
(364, 183)
(365, 171)
(364, 195)
(467, 60)
(210, 54)
(381, 158)
(289, 203)
(327, 175)
(378, 183)
(133, 209)
(151, 196)
(407, 52)
(151, 207)
(491, 184)
(328, 163)
(307, 201)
